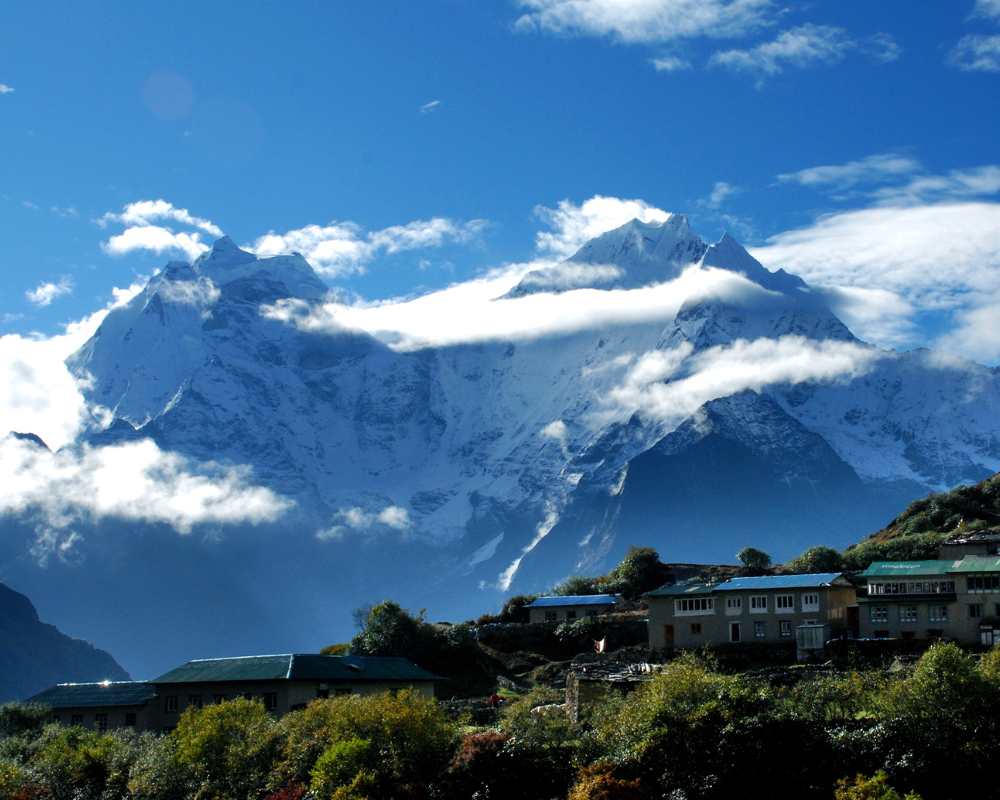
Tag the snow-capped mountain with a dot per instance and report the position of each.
(457, 474)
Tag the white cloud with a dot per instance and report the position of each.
(575, 225)
(342, 248)
(941, 259)
(543, 529)
(469, 311)
(131, 481)
(46, 292)
(141, 234)
(202, 293)
(976, 53)
(358, 519)
(155, 238)
(37, 393)
(5, 89)
(805, 46)
(645, 21)
(555, 430)
(427, 108)
(843, 176)
(670, 64)
(720, 192)
(875, 315)
(145, 212)
(669, 386)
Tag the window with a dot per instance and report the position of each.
(570, 615)
(734, 631)
(322, 694)
(342, 692)
(550, 616)
(101, 722)
(784, 603)
(219, 698)
(758, 630)
(734, 605)
(129, 719)
(938, 613)
(169, 704)
(975, 610)
(696, 629)
(195, 701)
(879, 614)
(758, 604)
(810, 602)
(912, 587)
(271, 701)
(694, 605)
(76, 720)
(907, 614)
(983, 583)
(785, 628)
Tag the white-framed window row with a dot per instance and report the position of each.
(980, 584)
(911, 587)
(784, 603)
(734, 605)
(810, 601)
(691, 606)
(758, 604)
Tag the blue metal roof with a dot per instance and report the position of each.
(96, 695)
(574, 600)
(810, 581)
(307, 666)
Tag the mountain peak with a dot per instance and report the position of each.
(227, 262)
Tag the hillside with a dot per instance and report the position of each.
(35, 656)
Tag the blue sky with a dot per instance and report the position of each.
(405, 146)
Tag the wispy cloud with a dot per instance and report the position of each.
(990, 9)
(145, 212)
(342, 248)
(46, 292)
(805, 46)
(357, 520)
(976, 53)
(913, 260)
(5, 89)
(645, 21)
(29, 204)
(670, 63)
(427, 108)
(874, 168)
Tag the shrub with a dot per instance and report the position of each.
(226, 750)
(754, 559)
(600, 781)
(639, 572)
(17, 719)
(874, 788)
(816, 559)
(409, 736)
(340, 767)
(577, 585)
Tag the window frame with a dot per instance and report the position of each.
(758, 604)
(784, 604)
(760, 630)
(785, 628)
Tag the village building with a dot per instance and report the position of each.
(565, 608)
(764, 610)
(102, 706)
(942, 599)
(282, 683)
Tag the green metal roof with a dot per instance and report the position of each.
(902, 569)
(96, 695)
(977, 564)
(297, 667)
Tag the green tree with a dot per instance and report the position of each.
(576, 585)
(754, 559)
(874, 788)
(639, 572)
(820, 558)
